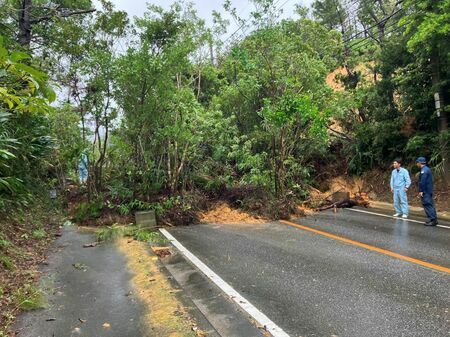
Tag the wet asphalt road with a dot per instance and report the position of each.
(88, 290)
(311, 285)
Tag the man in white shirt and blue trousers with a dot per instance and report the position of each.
(400, 182)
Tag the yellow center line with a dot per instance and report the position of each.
(369, 247)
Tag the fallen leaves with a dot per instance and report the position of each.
(88, 245)
(80, 266)
(162, 251)
(199, 332)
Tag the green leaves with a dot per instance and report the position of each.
(428, 23)
(24, 143)
(19, 56)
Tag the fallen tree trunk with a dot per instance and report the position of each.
(359, 200)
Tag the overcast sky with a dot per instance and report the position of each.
(205, 7)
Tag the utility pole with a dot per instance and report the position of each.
(211, 52)
(441, 113)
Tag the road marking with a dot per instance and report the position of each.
(369, 247)
(390, 216)
(257, 315)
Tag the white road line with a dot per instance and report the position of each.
(257, 315)
(392, 217)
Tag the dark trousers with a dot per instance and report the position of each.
(428, 205)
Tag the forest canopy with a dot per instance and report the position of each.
(164, 104)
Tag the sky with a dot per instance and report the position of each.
(205, 8)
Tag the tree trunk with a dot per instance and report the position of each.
(275, 166)
(25, 23)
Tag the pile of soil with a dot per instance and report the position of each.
(237, 204)
(180, 215)
(255, 200)
(222, 213)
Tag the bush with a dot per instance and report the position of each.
(87, 210)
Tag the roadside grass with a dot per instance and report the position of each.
(6, 262)
(25, 235)
(139, 233)
(29, 297)
(110, 233)
(39, 233)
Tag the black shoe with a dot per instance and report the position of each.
(431, 223)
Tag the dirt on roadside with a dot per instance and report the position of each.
(222, 213)
(24, 243)
(166, 315)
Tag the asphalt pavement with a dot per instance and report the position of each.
(88, 290)
(313, 285)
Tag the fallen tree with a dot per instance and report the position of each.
(343, 200)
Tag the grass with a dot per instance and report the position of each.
(6, 262)
(24, 239)
(4, 243)
(29, 297)
(145, 235)
(39, 233)
(111, 233)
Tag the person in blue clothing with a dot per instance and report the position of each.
(400, 182)
(426, 191)
(83, 172)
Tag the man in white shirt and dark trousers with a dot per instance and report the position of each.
(400, 182)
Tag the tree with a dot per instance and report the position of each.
(159, 121)
(273, 77)
(92, 76)
(24, 141)
(428, 28)
(29, 14)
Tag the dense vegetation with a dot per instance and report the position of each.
(162, 105)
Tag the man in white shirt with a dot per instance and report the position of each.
(400, 182)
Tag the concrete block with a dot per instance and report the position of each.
(146, 219)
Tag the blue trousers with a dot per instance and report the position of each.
(400, 201)
(428, 206)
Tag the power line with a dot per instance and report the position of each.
(368, 37)
(347, 9)
(246, 21)
(277, 9)
(354, 13)
(373, 26)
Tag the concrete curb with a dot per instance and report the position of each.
(413, 210)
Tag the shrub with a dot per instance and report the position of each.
(87, 210)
